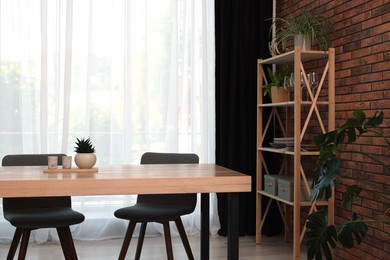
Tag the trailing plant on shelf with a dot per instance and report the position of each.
(321, 237)
(316, 28)
(85, 157)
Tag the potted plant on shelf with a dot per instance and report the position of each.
(321, 237)
(275, 87)
(85, 157)
(305, 29)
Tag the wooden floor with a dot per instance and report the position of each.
(154, 249)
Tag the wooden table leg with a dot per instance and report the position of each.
(205, 227)
(232, 250)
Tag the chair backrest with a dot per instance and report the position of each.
(169, 158)
(32, 202)
(29, 159)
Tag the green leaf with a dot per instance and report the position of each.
(84, 146)
(319, 139)
(351, 135)
(327, 152)
(353, 122)
(271, 74)
(326, 179)
(375, 120)
(276, 79)
(353, 229)
(360, 115)
(350, 195)
(320, 237)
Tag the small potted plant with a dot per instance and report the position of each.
(276, 85)
(85, 157)
(304, 29)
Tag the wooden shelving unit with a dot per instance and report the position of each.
(318, 105)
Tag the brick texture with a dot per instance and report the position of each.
(362, 44)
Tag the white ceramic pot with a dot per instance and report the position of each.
(302, 41)
(85, 160)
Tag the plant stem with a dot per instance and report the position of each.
(386, 195)
(381, 135)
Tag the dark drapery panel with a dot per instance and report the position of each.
(242, 34)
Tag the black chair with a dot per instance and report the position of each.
(160, 208)
(27, 214)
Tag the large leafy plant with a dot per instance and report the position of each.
(321, 238)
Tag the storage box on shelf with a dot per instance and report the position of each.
(283, 187)
(293, 119)
(271, 184)
(286, 189)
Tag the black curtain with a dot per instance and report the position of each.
(241, 35)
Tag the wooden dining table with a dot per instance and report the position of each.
(38, 181)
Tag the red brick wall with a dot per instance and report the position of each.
(362, 43)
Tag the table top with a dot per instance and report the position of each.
(28, 181)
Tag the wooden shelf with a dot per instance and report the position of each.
(288, 57)
(293, 118)
(304, 203)
(291, 104)
(286, 151)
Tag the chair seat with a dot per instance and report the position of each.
(153, 212)
(160, 208)
(31, 213)
(43, 217)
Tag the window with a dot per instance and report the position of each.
(134, 76)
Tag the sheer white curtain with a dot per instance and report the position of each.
(132, 75)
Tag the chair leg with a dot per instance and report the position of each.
(67, 244)
(140, 240)
(15, 242)
(127, 239)
(24, 244)
(184, 239)
(168, 240)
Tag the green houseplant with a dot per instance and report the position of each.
(275, 86)
(321, 237)
(307, 28)
(85, 157)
